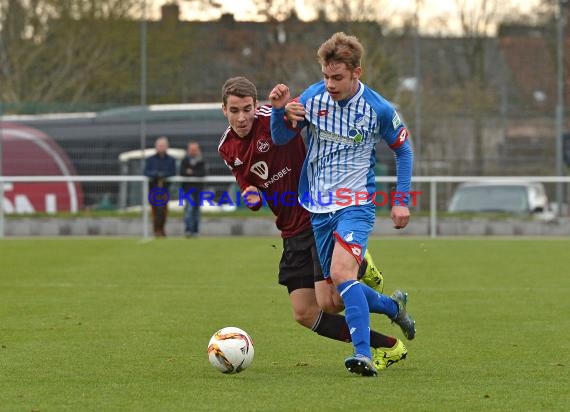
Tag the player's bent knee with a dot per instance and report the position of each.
(330, 305)
(344, 266)
(305, 306)
(328, 298)
(306, 316)
(341, 274)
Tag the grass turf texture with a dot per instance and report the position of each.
(115, 325)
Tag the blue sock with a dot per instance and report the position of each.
(357, 315)
(379, 303)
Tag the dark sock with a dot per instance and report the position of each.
(377, 340)
(362, 269)
(333, 326)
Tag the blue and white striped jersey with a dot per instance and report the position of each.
(341, 155)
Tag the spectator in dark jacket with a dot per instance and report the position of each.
(192, 165)
(158, 168)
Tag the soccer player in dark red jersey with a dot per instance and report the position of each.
(267, 174)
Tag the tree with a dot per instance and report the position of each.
(472, 94)
(475, 26)
(277, 10)
(50, 50)
(367, 20)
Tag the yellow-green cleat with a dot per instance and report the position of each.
(385, 357)
(372, 276)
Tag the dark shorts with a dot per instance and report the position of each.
(299, 267)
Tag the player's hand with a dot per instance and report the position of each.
(295, 112)
(279, 96)
(251, 196)
(400, 216)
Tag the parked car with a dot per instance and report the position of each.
(512, 197)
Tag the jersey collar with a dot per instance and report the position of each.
(346, 102)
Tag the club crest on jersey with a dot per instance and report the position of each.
(260, 169)
(263, 146)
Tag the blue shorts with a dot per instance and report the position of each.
(350, 227)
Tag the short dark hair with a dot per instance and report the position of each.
(238, 86)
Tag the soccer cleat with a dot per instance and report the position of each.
(372, 276)
(403, 319)
(361, 365)
(385, 357)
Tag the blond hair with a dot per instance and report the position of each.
(341, 48)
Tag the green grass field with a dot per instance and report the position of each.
(121, 325)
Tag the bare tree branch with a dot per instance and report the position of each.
(49, 49)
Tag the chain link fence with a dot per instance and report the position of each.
(79, 91)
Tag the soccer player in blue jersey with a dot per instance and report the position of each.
(247, 149)
(344, 120)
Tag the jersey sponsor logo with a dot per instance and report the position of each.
(260, 169)
(336, 138)
(237, 162)
(396, 122)
(276, 177)
(323, 112)
(263, 146)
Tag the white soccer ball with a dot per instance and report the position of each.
(230, 350)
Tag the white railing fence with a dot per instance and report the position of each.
(143, 181)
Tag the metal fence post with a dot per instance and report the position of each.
(1, 175)
(558, 152)
(433, 208)
(1, 202)
(145, 205)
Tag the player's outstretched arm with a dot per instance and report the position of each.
(280, 133)
(279, 96)
(404, 163)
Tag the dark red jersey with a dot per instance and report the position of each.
(255, 161)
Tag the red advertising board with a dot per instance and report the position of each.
(30, 152)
